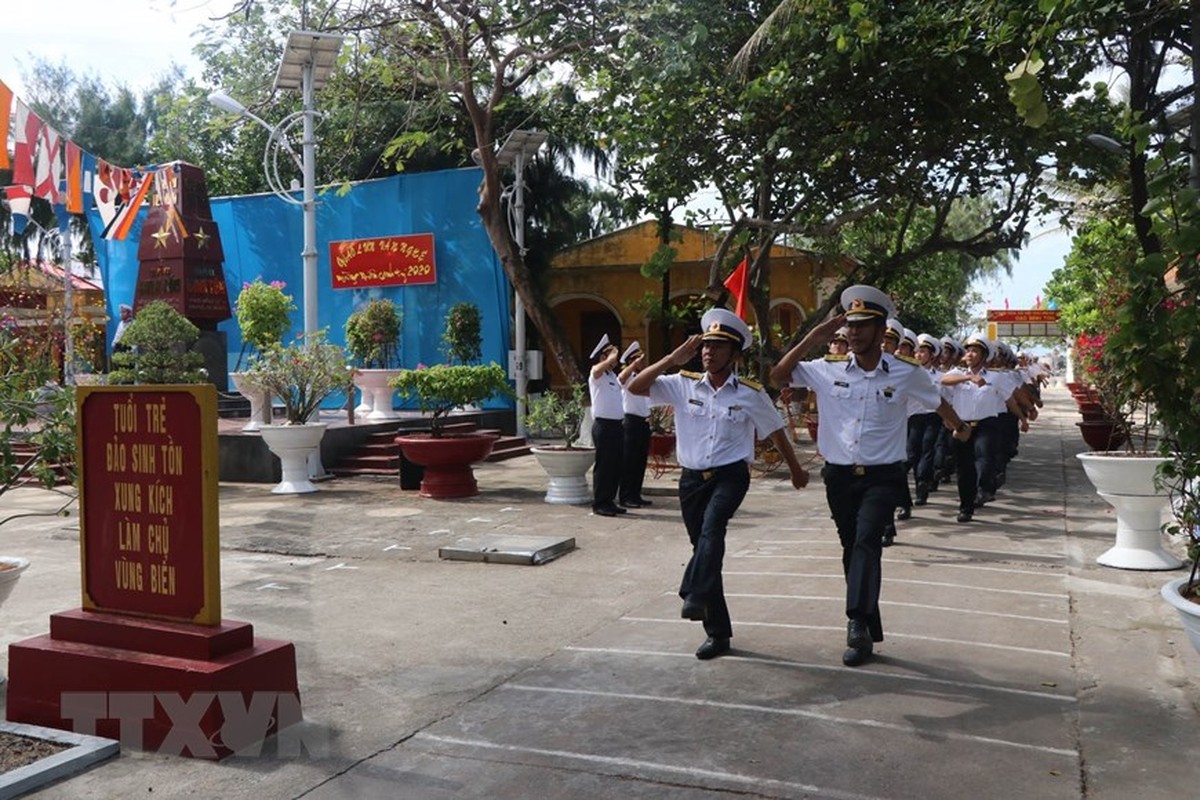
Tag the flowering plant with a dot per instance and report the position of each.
(462, 337)
(302, 374)
(560, 414)
(442, 388)
(264, 314)
(373, 334)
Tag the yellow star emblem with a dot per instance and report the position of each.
(201, 238)
(160, 237)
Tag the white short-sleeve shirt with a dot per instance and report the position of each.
(606, 396)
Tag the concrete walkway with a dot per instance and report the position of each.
(1014, 666)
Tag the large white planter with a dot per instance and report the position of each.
(373, 383)
(1126, 482)
(293, 444)
(1189, 612)
(8, 580)
(568, 473)
(256, 394)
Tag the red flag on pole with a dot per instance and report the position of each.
(738, 284)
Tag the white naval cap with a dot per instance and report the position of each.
(600, 345)
(631, 353)
(982, 342)
(953, 344)
(841, 334)
(863, 302)
(722, 324)
(930, 341)
(910, 336)
(895, 329)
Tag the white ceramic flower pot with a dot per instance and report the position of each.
(257, 396)
(293, 444)
(1126, 482)
(567, 470)
(373, 383)
(1189, 612)
(10, 574)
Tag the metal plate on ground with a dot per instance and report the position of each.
(500, 549)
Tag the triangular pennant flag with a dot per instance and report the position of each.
(6, 98)
(26, 127)
(18, 204)
(88, 183)
(49, 168)
(74, 182)
(738, 284)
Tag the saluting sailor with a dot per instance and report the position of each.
(636, 427)
(717, 415)
(607, 434)
(864, 419)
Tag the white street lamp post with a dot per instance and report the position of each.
(517, 149)
(308, 60)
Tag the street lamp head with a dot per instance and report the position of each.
(226, 103)
(1106, 143)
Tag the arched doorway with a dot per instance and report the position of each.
(585, 320)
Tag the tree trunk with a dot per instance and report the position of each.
(553, 336)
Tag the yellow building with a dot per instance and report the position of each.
(597, 288)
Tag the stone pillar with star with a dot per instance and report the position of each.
(180, 260)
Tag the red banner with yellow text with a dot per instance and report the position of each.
(383, 261)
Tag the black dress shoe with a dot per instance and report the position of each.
(631, 503)
(604, 511)
(856, 656)
(857, 634)
(694, 609)
(889, 535)
(922, 494)
(713, 646)
(904, 513)
(644, 501)
(964, 516)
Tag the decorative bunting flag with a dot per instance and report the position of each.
(105, 193)
(127, 213)
(74, 182)
(6, 98)
(18, 204)
(27, 126)
(49, 168)
(738, 284)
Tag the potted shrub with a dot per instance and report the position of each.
(447, 458)
(302, 375)
(463, 337)
(562, 416)
(264, 315)
(373, 341)
(160, 341)
(662, 431)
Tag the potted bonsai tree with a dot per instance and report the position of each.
(160, 341)
(302, 375)
(561, 416)
(463, 337)
(373, 341)
(447, 458)
(264, 315)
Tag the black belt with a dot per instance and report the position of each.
(860, 470)
(708, 474)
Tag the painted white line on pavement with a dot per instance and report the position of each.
(972, 587)
(1052, 570)
(842, 629)
(953, 610)
(808, 666)
(799, 712)
(633, 763)
(973, 550)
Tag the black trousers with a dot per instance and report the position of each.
(862, 501)
(708, 500)
(923, 432)
(977, 462)
(636, 447)
(608, 439)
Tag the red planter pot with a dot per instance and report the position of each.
(447, 461)
(1102, 435)
(662, 445)
(1093, 412)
